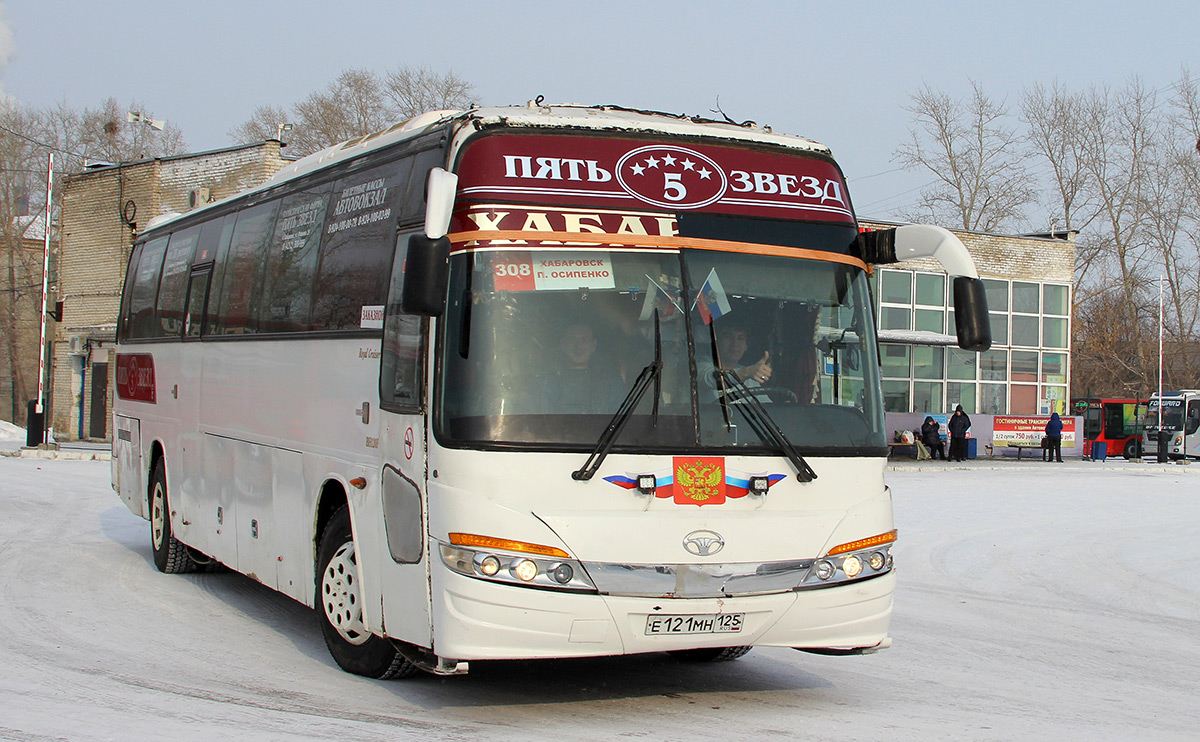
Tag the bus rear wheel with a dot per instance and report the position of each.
(170, 555)
(339, 608)
(1133, 449)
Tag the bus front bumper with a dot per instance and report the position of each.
(478, 620)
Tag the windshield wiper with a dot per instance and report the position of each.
(652, 372)
(757, 414)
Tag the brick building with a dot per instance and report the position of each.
(1029, 280)
(103, 210)
(20, 308)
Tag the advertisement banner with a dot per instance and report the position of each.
(1030, 430)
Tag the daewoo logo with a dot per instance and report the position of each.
(671, 177)
(703, 543)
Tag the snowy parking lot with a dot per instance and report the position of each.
(1035, 601)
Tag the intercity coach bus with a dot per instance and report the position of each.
(528, 382)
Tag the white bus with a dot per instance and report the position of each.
(1174, 416)
(528, 382)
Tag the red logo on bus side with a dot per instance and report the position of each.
(135, 377)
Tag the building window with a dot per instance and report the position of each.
(895, 287)
(1024, 331)
(1055, 299)
(960, 394)
(1026, 297)
(931, 289)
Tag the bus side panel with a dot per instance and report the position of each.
(127, 445)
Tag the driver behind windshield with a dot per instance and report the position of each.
(732, 341)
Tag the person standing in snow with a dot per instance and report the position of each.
(958, 425)
(1054, 439)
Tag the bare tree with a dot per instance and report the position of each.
(76, 137)
(1054, 119)
(357, 103)
(266, 123)
(415, 90)
(974, 153)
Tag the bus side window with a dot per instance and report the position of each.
(241, 284)
(144, 294)
(197, 300)
(400, 367)
(1193, 417)
(174, 280)
(123, 320)
(213, 248)
(356, 249)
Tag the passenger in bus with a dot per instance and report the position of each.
(1054, 439)
(581, 382)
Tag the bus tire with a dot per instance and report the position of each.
(170, 555)
(339, 609)
(1133, 449)
(710, 654)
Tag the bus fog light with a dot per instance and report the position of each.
(489, 565)
(852, 566)
(824, 570)
(525, 570)
(877, 560)
(561, 573)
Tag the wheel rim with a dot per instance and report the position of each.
(340, 598)
(158, 516)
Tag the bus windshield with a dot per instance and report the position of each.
(540, 347)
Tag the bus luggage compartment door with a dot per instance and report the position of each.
(127, 445)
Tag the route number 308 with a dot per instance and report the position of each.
(513, 270)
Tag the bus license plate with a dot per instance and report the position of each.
(697, 623)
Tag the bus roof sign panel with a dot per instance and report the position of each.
(624, 173)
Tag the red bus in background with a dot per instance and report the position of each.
(1117, 422)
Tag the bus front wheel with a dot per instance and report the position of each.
(339, 607)
(170, 555)
(1133, 449)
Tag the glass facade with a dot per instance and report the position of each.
(1024, 373)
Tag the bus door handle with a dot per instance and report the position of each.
(364, 412)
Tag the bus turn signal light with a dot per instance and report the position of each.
(503, 544)
(865, 543)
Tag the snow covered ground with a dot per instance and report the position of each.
(1036, 601)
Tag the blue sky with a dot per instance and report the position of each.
(838, 72)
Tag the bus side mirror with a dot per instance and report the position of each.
(439, 202)
(971, 314)
(426, 273)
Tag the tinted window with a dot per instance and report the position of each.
(174, 282)
(214, 247)
(193, 324)
(145, 289)
(240, 289)
(291, 262)
(356, 256)
(400, 366)
(127, 292)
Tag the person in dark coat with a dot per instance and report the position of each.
(958, 425)
(1054, 439)
(931, 436)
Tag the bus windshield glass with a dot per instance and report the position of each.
(539, 348)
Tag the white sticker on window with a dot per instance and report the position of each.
(372, 318)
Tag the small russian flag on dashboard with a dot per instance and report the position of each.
(712, 301)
